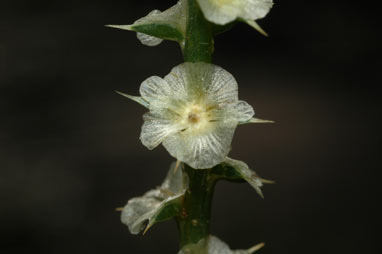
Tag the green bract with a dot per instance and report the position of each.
(164, 202)
(233, 169)
(157, 25)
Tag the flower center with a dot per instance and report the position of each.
(196, 116)
(193, 117)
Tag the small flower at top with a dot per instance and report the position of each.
(222, 12)
(194, 112)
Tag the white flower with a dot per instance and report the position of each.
(222, 12)
(194, 111)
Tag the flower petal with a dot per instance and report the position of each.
(156, 128)
(176, 181)
(255, 9)
(242, 111)
(215, 246)
(155, 90)
(178, 82)
(148, 40)
(222, 12)
(137, 211)
(199, 80)
(203, 150)
(156, 205)
(223, 87)
(161, 94)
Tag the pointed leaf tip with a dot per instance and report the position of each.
(256, 248)
(267, 181)
(247, 174)
(147, 228)
(137, 99)
(256, 26)
(123, 27)
(257, 120)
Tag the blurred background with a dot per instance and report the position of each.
(70, 150)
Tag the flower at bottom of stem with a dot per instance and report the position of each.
(194, 112)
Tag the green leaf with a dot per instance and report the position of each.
(157, 26)
(227, 172)
(168, 209)
(234, 170)
(163, 31)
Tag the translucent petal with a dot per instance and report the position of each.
(206, 80)
(148, 40)
(156, 128)
(215, 246)
(223, 87)
(176, 182)
(178, 81)
(161, 94)
(138, 211)
(220, 14)
(142, 210)
(239, 111)
(242, 111)
(224, 11)
(204, 150)
(255, 9)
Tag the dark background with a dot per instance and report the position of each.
(70, 152)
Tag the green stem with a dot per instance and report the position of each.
(194, 221)
(199, 39)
